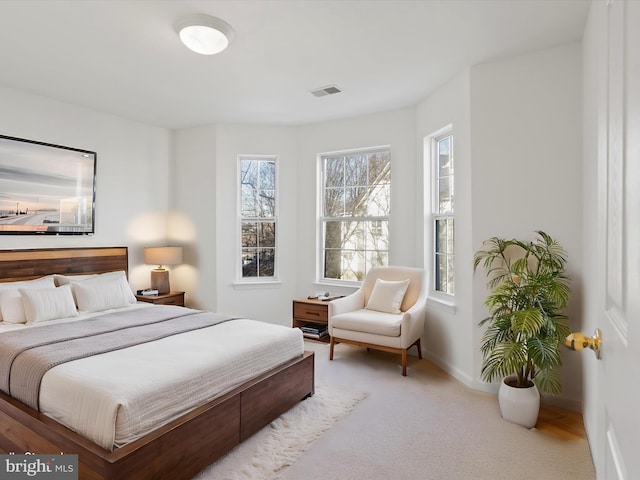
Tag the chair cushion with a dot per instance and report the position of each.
(369, 321)
(387, 295)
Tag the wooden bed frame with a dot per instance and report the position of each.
(178, 450)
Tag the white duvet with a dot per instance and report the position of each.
(117, 397)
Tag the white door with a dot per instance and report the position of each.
(619, 246)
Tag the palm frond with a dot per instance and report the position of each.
(544, 351)
(503, 360)
(548, 381)
(525, 326)
(527, 322)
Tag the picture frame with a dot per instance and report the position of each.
(46, 189)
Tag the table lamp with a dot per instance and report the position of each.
(162, 256)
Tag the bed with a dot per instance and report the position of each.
(185, 442)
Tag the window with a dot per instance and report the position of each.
(258, 216)
(356, 190)
(443, 213)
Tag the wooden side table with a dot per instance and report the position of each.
(310, 312)
(171, 298)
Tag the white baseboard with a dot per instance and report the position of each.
(549, 400)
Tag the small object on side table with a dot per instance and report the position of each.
(171, 298)
(147, 292)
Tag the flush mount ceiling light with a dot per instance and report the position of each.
(205, 34)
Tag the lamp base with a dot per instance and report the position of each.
(160, 281)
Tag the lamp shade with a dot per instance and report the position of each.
(163, 255)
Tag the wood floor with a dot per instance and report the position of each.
(563, 424)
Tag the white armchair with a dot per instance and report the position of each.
(386, 320)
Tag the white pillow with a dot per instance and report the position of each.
(387, 296)
(109, 290)
(45, 304)
(67, 279)
(11, 308)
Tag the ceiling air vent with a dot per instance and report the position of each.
(324, 91)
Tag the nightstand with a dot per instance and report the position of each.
(311, 313)
(171, 298)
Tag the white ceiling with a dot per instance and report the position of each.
(124, 56)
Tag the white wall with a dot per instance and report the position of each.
(192, 222)
(448, 339)
(395, 128)
(204, 206)
(526, 138)
(268, 302)
(205, 215)
(517, 128)
(517, 147)
(132, 173)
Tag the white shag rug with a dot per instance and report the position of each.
(279, 444)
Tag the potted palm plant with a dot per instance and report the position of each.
(525, 326)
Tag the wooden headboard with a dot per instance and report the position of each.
(18, 265)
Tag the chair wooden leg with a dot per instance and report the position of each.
(404, 362)
(331, 349)
(419, 349)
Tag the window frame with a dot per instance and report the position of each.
(321, 219)
(240, 279)
(433, 215)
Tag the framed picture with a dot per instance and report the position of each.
(46, 189)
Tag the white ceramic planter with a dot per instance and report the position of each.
(519, 405)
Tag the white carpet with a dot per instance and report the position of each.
(279, 444)
(426, 425)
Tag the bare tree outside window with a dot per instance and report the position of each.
(356, 211)
(258, 216)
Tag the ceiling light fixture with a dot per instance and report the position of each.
(205, 34)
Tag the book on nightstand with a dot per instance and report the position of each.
(314, 332)
(147, 293)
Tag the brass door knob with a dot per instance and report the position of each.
(579, 341)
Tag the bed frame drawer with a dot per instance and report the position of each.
(276, 393)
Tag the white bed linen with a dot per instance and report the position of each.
(7, 327)
(117, 397)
